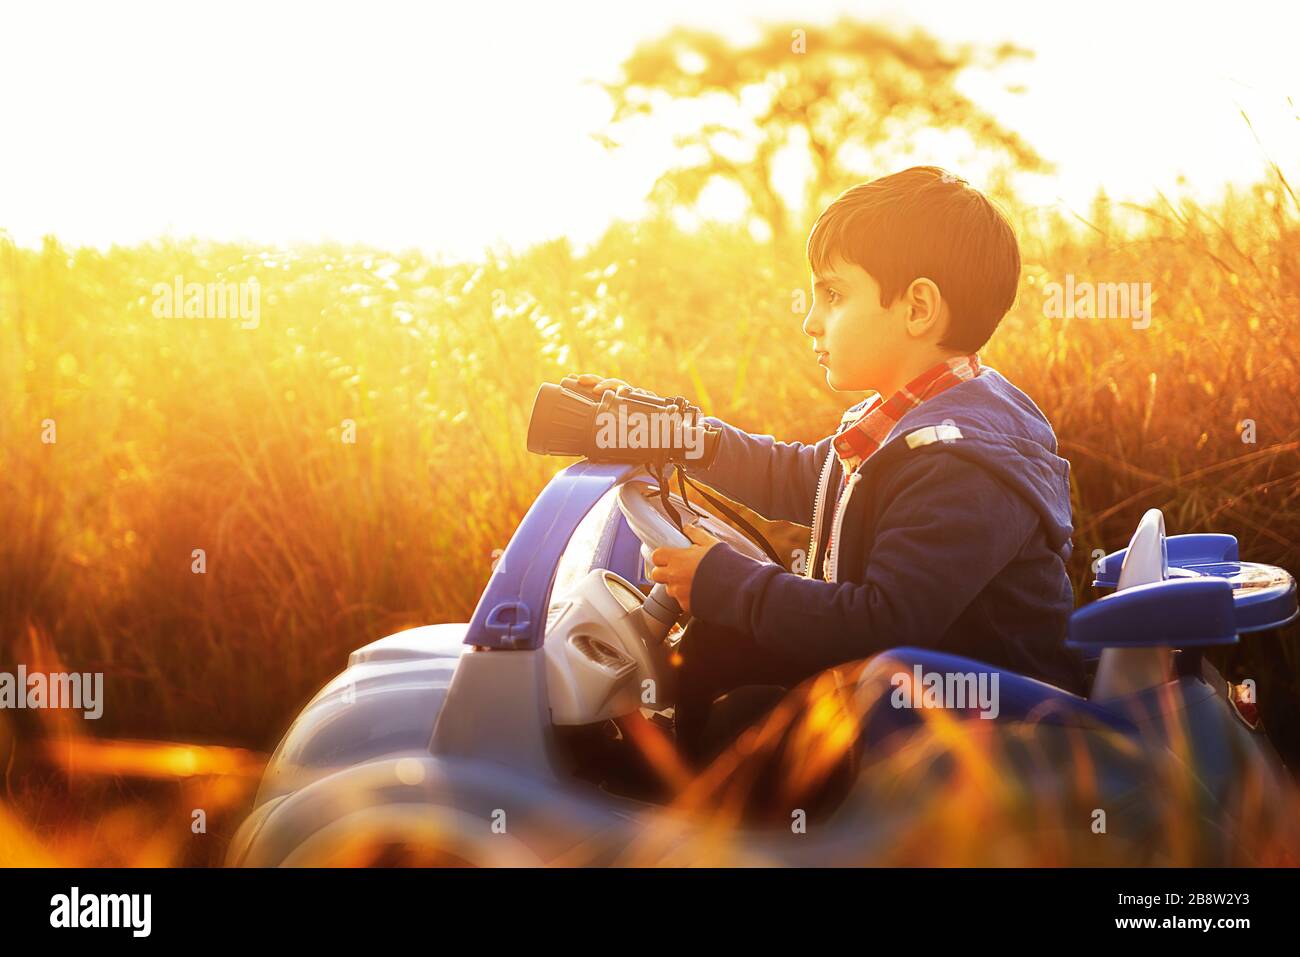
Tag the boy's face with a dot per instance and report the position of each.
(861, 344)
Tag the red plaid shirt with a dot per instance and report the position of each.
(860, 436)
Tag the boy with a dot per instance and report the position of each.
(940, 509)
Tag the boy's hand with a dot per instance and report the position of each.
(597, 384)
(675, 567)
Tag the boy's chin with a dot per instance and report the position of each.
(838, 383)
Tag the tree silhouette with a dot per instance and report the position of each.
(842, 96)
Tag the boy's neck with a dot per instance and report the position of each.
(910, 370)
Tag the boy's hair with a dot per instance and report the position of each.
(926, 222)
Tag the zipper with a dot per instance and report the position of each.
(832, 551)
(823, 484)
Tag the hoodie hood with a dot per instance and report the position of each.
(1005, 433)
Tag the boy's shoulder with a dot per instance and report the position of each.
(989, 409)
(986, 427)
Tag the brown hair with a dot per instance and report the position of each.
(926, 222)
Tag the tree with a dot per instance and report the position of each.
(841, 97)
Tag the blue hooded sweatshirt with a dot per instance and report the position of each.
(953, 535)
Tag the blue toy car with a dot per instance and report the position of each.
(540, 731)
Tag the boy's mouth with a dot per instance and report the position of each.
(822, 357)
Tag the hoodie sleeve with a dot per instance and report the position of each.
(948, 528)
(776, 479)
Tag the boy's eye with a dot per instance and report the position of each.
(832, 296)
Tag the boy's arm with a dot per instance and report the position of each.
(949, 527)
(776, 479)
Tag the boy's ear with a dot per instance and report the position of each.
(924, 307)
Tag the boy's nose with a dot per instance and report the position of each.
(811, 327)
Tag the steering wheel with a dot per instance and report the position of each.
(642, 507)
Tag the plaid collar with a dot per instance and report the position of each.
(864, 430)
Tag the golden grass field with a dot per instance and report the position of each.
(181, 434)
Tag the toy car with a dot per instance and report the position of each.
(539, 732)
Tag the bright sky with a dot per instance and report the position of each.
(453, 126)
